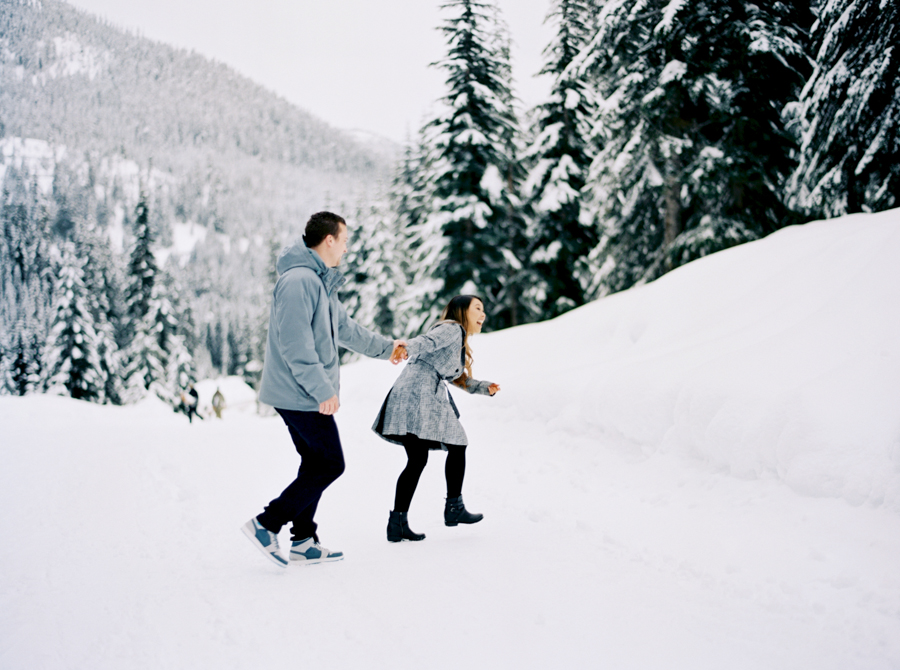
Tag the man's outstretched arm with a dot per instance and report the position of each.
(363, 341)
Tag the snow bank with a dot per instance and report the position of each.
(779, 358)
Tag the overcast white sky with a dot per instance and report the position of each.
(357, 64)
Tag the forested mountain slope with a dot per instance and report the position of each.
(95, 120)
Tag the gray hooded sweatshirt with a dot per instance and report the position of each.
(306, 324)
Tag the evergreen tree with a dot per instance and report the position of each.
(560, 237)
(6, 361)
(849, 112)
(471, 161)
(374, 275)
(74, 363)
(26, 281)
(156, 359)
(504, 190)
(101, 278)
(181, 371)
(215, 343)
(409, 198)
(238, 347)
(424, 246)
(150, 353)
(141, 273)
(24, 360)
(176, 330)
(692, 152)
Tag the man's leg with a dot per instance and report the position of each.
(317, 441)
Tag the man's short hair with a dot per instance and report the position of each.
(320, 226)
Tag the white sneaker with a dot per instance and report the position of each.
(265, 541)
(309, 551)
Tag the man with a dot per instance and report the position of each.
(301, 379)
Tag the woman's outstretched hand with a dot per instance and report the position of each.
(493, 388)
(399, 353)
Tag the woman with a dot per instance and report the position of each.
(420, 414)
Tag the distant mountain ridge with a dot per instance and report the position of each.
(95, 120)
(69, 78)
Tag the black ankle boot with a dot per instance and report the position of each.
(398, 529)
(455, 512)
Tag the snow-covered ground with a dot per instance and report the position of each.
(700, 473)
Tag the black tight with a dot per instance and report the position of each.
(417, 455)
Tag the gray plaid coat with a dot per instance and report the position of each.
(419, 403)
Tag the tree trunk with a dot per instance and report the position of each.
(854, 197)
(671, 188)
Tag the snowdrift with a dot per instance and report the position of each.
(779, 358)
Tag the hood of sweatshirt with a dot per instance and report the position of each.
(298, 255)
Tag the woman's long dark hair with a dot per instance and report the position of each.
(457, 311)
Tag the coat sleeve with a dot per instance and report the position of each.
(447, 335)
(363, 341)
(479, 387)
(296, 302)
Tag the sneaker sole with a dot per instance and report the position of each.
(265, 552)
(313, 561)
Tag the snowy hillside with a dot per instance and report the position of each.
(779, 358)
(698, 474)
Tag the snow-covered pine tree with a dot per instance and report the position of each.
(154, 358)
(409, 197)
(181, 371)
(26, 280)
(24, 360)
(176, 330)
(73, 360)
(355, 258)
(375, 279)
(101, 277)
(505, 199)
(141, 273)
(692, 153)
(424, 246)
(215, 345)
(560, 237)
(150, 353)
(848, 115)
(470, 163)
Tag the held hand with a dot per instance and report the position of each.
(399, 353)
(330, 406)
(493, 388)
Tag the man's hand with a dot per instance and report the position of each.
(493, 388)
(399, 353)
(330, 406)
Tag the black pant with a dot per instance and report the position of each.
(317, 441)
(417, 456)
